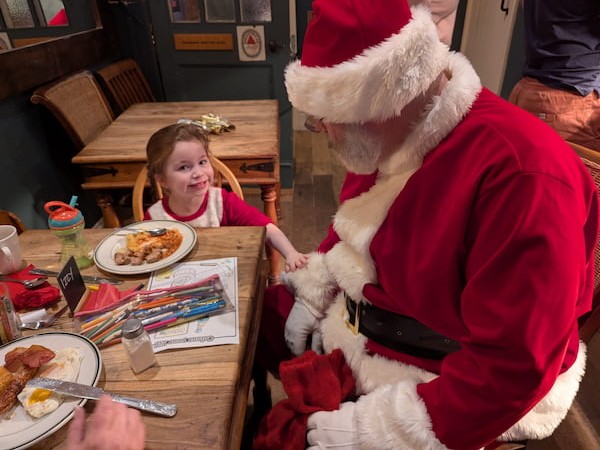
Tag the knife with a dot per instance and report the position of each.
(87, 278)
(94, 393)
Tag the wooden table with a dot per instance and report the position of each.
(114, 159)
(209, 384)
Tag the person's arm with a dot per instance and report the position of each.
(526, 266)
(313, 286)
(278, 240)
(112, 426)
(237, 212)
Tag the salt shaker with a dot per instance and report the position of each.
(138, 345)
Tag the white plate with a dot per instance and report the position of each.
(104, 255)
(17, 429)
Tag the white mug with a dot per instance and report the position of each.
(10, 250)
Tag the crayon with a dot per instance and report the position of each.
(116, 334)
(174, 306)
(179, 318)
(108, 332)
(156, 318)
(162, 324)
(204, 309)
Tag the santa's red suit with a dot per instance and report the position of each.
(481, 227)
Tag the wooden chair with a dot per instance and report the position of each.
(125, 84)
(223, 176)
(591, 323)
(10, 218)
(79, 105)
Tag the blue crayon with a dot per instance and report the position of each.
(204, 309)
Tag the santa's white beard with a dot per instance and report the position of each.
(359, 150)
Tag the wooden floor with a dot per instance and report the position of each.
(306, 213)
(307, 210)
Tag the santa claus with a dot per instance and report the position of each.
(459, 260)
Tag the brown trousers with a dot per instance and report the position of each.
(574, 117)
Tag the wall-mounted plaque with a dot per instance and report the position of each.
(203, 41)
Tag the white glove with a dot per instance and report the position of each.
(333, 429)
(300, 324)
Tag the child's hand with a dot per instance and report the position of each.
(295, 261)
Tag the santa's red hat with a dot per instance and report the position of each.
(364, 60)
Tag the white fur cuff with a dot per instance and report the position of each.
(394, 417)
(313, 285)
(547, 415)
(376, 84)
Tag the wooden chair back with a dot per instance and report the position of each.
(223, 176)
(10, 218)
(591, 323)
(125, 84)
(79, 104)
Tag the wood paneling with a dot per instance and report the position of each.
(32, 66)
(28, 67)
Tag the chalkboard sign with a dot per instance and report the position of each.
(71, 284)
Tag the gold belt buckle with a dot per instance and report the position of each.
(354, 327)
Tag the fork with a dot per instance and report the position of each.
(44, 323)
(151, 231)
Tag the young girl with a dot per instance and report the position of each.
(178, 160)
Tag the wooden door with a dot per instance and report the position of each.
(226, 50)
(487, 36)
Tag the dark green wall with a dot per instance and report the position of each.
(516, 56)
(36, 166)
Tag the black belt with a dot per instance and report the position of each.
(397, 332)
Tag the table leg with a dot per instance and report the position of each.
(268, 194)
(109, 216)
(278, 201)
(261, 392)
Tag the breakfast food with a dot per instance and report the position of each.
(20, 365)
(38, 402)
(143, 247)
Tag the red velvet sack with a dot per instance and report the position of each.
(313, 383)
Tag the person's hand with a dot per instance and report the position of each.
(112, 426)
(295, 261)
(333, 429)
(301, 324)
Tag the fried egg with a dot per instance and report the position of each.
(38, 402)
